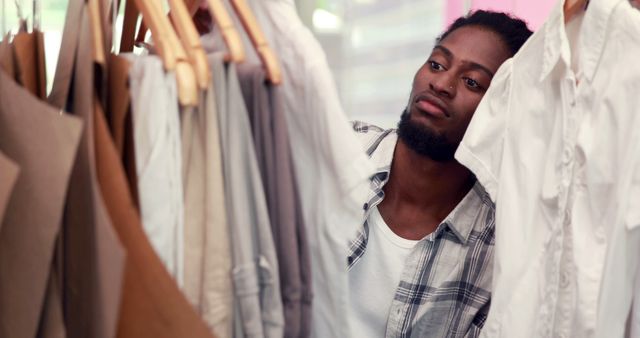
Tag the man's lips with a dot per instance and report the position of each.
(431, 107)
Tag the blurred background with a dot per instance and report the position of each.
(374, 47)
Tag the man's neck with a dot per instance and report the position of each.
(421, 192)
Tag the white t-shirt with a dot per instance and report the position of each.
(375, 278)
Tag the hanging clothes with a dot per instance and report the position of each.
(158, 158)
(331, 168)
(272, 144)
(255, 266)
(565, 174)
(208, 283)
(34, 211)
(90, 259)
(152, 305)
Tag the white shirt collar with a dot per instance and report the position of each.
(592, 39)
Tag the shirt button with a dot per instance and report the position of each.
(366, 206)
(564, 280)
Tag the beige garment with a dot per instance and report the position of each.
(9, 171)
(43, 143)
(207, 270)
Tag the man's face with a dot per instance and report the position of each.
(448, 88)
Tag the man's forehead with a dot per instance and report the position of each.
(474, 45)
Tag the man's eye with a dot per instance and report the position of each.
(472, 83)
(435, 66)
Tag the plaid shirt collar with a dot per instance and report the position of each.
(381, 150)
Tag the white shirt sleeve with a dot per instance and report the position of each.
(482, 146)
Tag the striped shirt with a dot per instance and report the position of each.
(445, 286)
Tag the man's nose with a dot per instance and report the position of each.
(443, 85)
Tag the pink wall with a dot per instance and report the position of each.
(533, 12)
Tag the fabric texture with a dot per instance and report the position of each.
(445, 288)
(255, 266)
(272, 144)
(208, 283)
(331, 170)
(35, 208)
(563, 170)
(158, 151)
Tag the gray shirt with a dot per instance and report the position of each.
(271, 140)
(255, 266)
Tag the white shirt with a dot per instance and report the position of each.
(156, 123)
(375, 278)
(561, 161)
(331, 168)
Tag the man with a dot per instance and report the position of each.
(422, 264)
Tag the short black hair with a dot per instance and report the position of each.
(513, 31)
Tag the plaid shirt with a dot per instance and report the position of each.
(445, 285)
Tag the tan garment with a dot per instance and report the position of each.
(29, 59)
(43, 143)
(8, 175)
(207, 266)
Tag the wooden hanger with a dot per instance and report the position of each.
(223, 21)
(229, 33)
(573, 7)
(166, 43)
(151, 17)
(256, 35)
(191, 41)
(185, 76)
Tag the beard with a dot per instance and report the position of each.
(425, 141)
